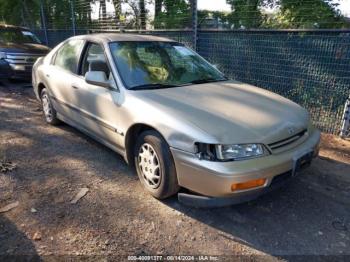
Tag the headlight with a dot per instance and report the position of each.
(236, 152)
(230, 152)
(2, 55)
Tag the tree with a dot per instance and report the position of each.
(245, 13)
(158, 7)
(172, 14)
(118, 9)
(132, 19)
(307, 14)
(143, 14)
(214, 19)
(287, 14)
(83, 16)
(17, 12)
(103, 10)
(157, 12)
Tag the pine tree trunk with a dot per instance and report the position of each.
(157, 13)
(103, 10)
(142, 14)
(118, 9)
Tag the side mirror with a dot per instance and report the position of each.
(97, 78)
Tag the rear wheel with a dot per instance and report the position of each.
(49, 111)
(155, 165)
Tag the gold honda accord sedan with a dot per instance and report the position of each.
(176, 118)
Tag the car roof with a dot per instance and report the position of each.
(5, 26)
(120, 37)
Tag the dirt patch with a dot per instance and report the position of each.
(335, 148)
(310, 216)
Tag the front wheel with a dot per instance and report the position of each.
(49, 111)
(155, 165)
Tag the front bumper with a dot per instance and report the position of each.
(214, 179)
(5, 69)
(11, 72)
(209, 202)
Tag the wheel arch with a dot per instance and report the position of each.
(40, 88)
(131, 136)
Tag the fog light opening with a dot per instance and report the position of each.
(248, 185)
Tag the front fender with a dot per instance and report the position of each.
(36, 79)
(178, 133)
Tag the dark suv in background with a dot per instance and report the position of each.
(19, 49)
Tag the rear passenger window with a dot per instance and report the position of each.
(68, 55)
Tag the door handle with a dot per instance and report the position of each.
(75, 87)
(47, 75)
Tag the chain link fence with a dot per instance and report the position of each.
(309, 67)
(304, 56)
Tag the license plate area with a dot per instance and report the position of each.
(302, 162)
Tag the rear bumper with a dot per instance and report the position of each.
(214, 179)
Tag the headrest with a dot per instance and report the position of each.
(98, 65)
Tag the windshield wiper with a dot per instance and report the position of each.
(208, 80)
(152, 86)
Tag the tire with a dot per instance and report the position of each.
(49, 111)
(166, 185)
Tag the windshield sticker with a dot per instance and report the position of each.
(183, 50)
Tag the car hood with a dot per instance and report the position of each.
(24, 48)
(231, 112)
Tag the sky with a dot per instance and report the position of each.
(220, 5)
(213, 5)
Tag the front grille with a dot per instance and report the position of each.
(287, 141)
(26, 59)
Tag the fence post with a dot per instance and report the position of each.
(194, 8)
(346, 119)
(43, 21)
(73, 16)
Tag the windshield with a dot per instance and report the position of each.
(161, 64)
(18, 37)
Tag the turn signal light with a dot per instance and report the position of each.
(248, 184)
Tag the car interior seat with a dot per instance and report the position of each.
(99, 65)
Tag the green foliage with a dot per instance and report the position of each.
(286, 14)
(27, 13)
(245, 13)
(307, 14)
(58, 13)
(20, 12)
(174, 14)
(222, 19)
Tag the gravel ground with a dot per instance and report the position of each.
(310, 216)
